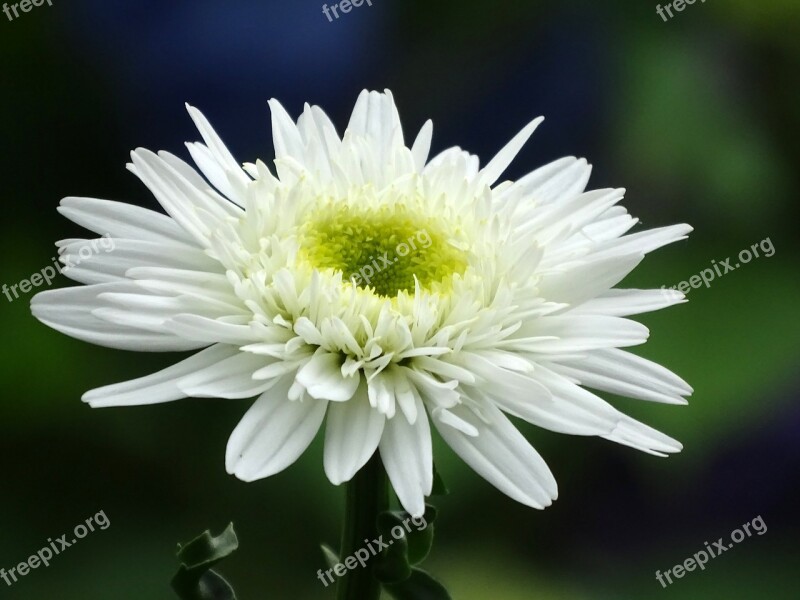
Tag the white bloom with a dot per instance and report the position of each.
(508, 309)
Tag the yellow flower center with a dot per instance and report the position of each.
(382, 249)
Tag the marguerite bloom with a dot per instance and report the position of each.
(364, 285)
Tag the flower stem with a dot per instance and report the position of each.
(367, 496)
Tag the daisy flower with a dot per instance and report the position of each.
(362, 284)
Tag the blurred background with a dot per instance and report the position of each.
(698, 117)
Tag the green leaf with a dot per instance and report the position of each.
(439, 487)
(431, 514)
(420, 543)
(420, 586)
(331, 558)
(195, 580)
(418, 533)
(392, 565)
(406, 549)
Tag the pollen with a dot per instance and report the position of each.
(382, 249)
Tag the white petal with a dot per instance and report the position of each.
(501, 455)
(444, 369)
(422, 145)
(579, 405)
(432, 390)
(170, 193)
(104, 261)
(624, 303)
(71, 311)
(218, 149)
(587, 279)
(121, 220)
(194, 208)
(273, 433)
(634, 434)
(285, 135)
(214, 172)
(562, 178)
(625, 374)
(497, 166)
(213, 289)
(317, 126)
(152, 313)
(158, 387)
(193, 178)
(445, 417)
(559, 180)
(557, 221)
(581, 333)
(504, 382)
(230, 378)
(196, 327)
(352, 432)
(560, 413)
(322, 377)
(646, 241)
(406, 395)
(380, 391)
(374, 117)
(407, 455)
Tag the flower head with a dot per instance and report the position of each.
(364, 285)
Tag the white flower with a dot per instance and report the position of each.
(504, 307)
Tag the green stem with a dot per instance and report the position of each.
(367, 496)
